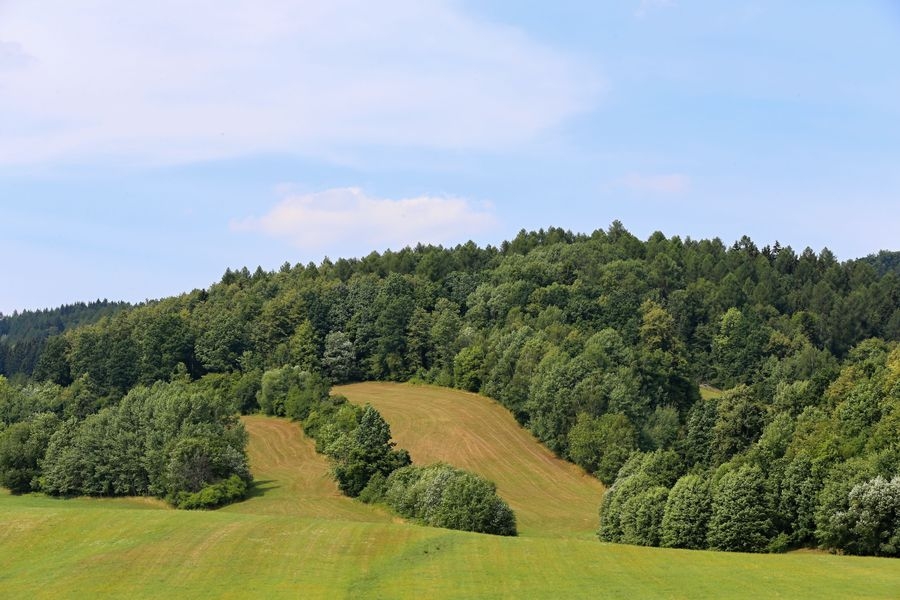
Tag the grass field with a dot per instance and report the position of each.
(297, 537)
(549, 496)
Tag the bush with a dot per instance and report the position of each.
(213, 495)
(442, 496)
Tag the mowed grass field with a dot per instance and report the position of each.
(296, 537)
(550, 496)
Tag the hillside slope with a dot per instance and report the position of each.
(292, 480)
(295, 537)
(550, 496)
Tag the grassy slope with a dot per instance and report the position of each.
(297, 538)
(291, 479)
(550, 496)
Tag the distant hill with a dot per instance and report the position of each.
(23, 334)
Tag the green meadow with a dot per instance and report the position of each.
(297, 536)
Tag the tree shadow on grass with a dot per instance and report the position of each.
(260, 487)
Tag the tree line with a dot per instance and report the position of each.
(597, 343)
(172, 440)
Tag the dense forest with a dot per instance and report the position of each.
(598, 344)
(24, 335)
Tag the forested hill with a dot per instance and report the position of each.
(885, 262)
(596, 343)
(22, 335)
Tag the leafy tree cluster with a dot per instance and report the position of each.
(759, 476)
(442, 496)
(170, 440)
(361, 452)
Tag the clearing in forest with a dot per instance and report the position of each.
(290, 478)
(549, 496)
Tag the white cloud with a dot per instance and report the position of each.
(674, 183)
(169, 81)
(348, 217)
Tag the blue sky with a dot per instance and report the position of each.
(145, 147)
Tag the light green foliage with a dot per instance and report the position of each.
(442, 496)
(687, 513)
(602, 445)
(157, 441)
(467, 368)
(292, 392)
(871, 523)
(741, 517)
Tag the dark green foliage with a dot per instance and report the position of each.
(741, 515)
(25, 338)
(834, 501)
(739, 422)
(642, 516)
(568, 331)
(442, 496)
(22, 447)
(53, 364)
(364, 452)
(339, 357)
(799, 491)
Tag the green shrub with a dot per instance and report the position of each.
(213, 495)
(442, 496)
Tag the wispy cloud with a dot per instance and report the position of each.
(12, 56)
(348, 217)
(673, 183)
(648, 6)
(168, 82)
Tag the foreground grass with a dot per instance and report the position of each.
(297, 537)
(81, 548)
